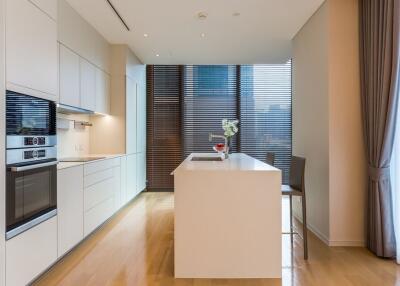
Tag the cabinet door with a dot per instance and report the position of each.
(117, 188)
(102, 92)
(31, 50)
(69, 77)
(131, 174)
(131, 116)
(70, 208)
(141, 171)
(31, 253)
(123, 181)
(47, 6)
(88, 85)
(141, 118)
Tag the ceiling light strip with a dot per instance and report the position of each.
(119, 16)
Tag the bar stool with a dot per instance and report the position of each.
(296, 188)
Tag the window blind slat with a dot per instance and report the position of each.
(164, 148)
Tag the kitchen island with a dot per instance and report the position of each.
(227, 218)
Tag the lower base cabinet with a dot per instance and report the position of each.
(70, 208)
(131, 178)
(31, 253)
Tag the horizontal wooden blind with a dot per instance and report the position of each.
(164, 141)
(210, 95)
(265, 113)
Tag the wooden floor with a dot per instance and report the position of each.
(136, 248)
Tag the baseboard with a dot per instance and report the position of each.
(314, 230)
(347, 243)
(331, 243)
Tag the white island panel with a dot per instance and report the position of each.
(227, 219)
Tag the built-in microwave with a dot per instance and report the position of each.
(31, 156)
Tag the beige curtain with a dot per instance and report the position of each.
(379, 49)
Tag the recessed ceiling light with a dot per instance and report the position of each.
(202, 35)
(235, 14)
(145, 35)
(157, 55)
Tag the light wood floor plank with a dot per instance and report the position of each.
(136, 248)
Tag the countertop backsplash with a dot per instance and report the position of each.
(73, 142)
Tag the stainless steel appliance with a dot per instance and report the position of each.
(31, 156)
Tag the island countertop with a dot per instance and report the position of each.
(235, 162)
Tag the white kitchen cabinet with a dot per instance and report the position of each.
(31, 253)
(87, 85)
(102, 92)
(131, 116)
(31, 50)
(47, 6)
(141, 171)
(141, 118)
(69, 208)
(117, 188)
(131, 176)
(69, 77)
(123, 180)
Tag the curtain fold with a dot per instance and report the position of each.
(379, 55)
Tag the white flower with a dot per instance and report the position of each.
(230, 127)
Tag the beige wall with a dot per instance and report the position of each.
(327, 126)
(311, 116)
(346, 152)
(73, 142)
(2, 144)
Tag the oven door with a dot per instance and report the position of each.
(29, 116)
(31, 195)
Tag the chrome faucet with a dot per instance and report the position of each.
(226, 150)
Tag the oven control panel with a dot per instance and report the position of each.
(35, 141)
(34, 154)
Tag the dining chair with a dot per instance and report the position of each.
(296, 188)
(270, 158)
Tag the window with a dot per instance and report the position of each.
(186, 103)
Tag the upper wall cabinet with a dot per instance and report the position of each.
(88, 85)
(131, 116)
(31, 50)
(102, 92)
(69, 77)
(47, 6)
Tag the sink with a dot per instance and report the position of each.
(198, 158)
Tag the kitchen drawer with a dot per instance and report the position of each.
(97, 215)
(98, 193)
(97, 177)
(31, 253)
(98, 166)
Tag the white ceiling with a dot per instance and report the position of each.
(261, 34)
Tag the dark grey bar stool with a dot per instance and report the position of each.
(296, 188)
(270, 158)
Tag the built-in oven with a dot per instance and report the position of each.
(31, 156)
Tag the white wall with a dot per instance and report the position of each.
(2, 144)
(311, 116)
(327, 127)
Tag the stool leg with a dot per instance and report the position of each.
(291, 218)
(305, 245)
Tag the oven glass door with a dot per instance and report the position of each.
(31, 193)
(28, 115)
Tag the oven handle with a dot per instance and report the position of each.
(34, 166)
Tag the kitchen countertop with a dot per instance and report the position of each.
(64, 165)
(235, 162)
